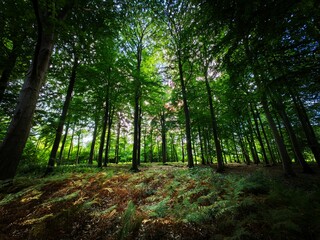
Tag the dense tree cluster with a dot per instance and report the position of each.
(174, 80)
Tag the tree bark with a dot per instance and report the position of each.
(266, 139)
(254, 114)
(71, 142)
(14, 142)
(286, 162)
(292, 136)
(78, 149)
(93, 142)
(139, 135)
(104, 128)
(151, 144)
(186, 113)
(106, 155)
(307, 127)
(63, 142)
(252, 145)
(163, 137)
(214, 125)
(54, 150)
(182, 148)
(118, 140)
(137, 96)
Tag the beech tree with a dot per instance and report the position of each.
(12, 146)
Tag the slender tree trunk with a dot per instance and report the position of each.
(145, 145)
(252, 145)
(137, 96)
(54, 150)
(159, 152)
(273, 159)
(254, 114)
(163, 137)
(63, 143)
(286, 162)
(151, 145)
(71, 142)
(194, 150)
(78, 149)
(306, 125)
(182, 148)
(235, 149)
(293, 139)
(93, 142)
(14, 142)
(174, 150)
(206, 144)
(118, 140)
(214, 125)
(104, 128)
(139, 135)
(186, 114)
(244, 151)
(106, 155)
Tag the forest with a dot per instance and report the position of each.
(159, 119)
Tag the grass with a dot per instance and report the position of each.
(161, 202)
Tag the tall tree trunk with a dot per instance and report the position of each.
(186, 113)
(139, 135)
(182, 148)
(254, 114)
(194, 150)
(151, 144)
(206, 144)
(273, 159)
(14, 142)
(104, 127)
(137, 96)
(110, 120)
(63, 143)
(235, 148)
(244, 151)
(54, 150)
(93, 142)
(214, 125)
(286, 162)
(292, 136)
(163, 137)
(306, 125)
(145, 145)
(252, 145)
(118, 140)
(71, 142)
(78, 149)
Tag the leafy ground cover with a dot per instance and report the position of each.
(161, 202)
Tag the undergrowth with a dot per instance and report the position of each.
(118, 203)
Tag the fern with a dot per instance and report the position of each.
(130, 222)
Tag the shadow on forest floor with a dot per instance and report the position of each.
(163, 202)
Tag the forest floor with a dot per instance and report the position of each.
(162, 202)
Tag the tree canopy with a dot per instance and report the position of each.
(208, 82)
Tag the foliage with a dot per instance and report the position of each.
(171, 198)
(130, 221)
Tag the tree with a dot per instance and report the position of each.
(180, 22)
(12, 146)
